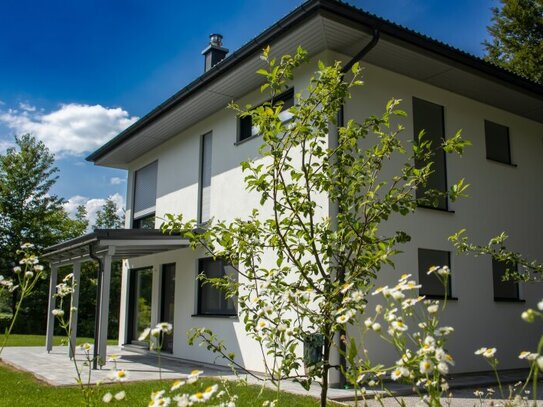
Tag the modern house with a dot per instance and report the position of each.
(184, 157)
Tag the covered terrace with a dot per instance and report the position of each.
(102, 246)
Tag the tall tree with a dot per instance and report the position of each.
(29, 212)
(108, 216)
(517, 37)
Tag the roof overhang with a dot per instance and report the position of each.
(318, 25)
(118, 243)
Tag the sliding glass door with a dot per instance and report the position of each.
(141, 288)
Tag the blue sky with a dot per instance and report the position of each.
(75, 73)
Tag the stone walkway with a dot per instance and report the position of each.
(57, 369)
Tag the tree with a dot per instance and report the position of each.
(517, 37)
(304, 273)
(108, 216)
(29, 212)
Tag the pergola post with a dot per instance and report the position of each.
(104, 305)
(50, 308)
(74, 304)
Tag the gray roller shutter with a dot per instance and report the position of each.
(145, 190)
(205, 177)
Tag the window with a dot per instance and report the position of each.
(211, 300)
(497, 143)
(429, 117)
(205, 178)
(145, 181)
(432, 287)
(246, 128)
(504, 290)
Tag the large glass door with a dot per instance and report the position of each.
(141, 288)
(167, 302)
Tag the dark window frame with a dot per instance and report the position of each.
(138, 222)
(497, 278)
(507, 161)
(425, 274)
(245, 124)
(223, 311)
(445, 206)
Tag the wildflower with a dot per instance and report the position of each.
(357, 296)
(69, 277)
(399, 372)
(443, 368)
(282, 327)
(432, 309)
(120, 395)
(540, 363)
(444, 271)
(528, 315)
(27, 246)
(444, 330)
(16, 269)
(442, 356)
(380, 290)
(199, 397)
(478, 393)
(29, 274)
(177, 384)
(155, 332)
(376, 327)
(426, 366)
(209, 391)
(113, 357)
(120, 375)
(107, 397)
(165, 327)
(342, 319)
(432, 270)
(145, 334)
(378, 308)
(194, 376)
(397, 295)
(57, 312)
(85, 347)
(38, 268)
(183, 400)
(486, 352)
(399, 325)
(528, 356)
(368, 323)
(540, 305)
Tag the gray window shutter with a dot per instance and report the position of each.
(145, 190)
(205, 177)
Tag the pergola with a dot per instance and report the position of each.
(103, 246)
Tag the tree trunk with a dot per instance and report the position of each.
(325, 369)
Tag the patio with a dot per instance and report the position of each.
(56, 369)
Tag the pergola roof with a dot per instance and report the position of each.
(119, 243)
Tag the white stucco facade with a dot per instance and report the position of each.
(502, 198)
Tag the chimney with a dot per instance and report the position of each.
(214, 53)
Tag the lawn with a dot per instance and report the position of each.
(22, 389)
(39, 340)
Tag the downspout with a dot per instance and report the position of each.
(340, 123)
(97, 307)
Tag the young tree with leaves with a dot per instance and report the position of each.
(299, 269)
(108, 216)
(517, 37)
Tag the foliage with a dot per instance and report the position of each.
(107, 217)
(30, 212)
(299, 264)
(517, 37)
(521, 268)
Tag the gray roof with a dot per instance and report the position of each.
(317, 25)
(120, 243)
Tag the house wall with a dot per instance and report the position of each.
(502, 198)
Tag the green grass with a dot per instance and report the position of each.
(22, 389)
(39, 340)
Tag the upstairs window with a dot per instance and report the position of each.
(212, 300)
(497, 143)
(245, 126)
(204, 205)
(145, 182)
(432, 286)
(429, 117)
(504, 290)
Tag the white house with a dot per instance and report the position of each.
(184, 156)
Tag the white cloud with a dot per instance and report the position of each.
(117, 180)
(73, 129)
(92, 205)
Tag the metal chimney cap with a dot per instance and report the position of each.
(215, 40)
